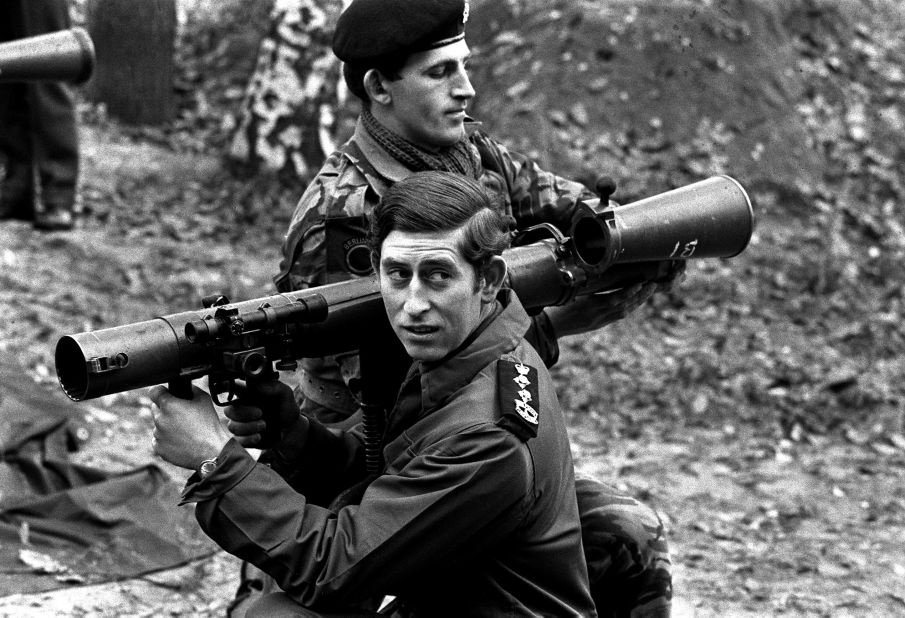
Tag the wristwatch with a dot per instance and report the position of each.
(207, 466)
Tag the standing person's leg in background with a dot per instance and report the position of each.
(16, 174)
(38, 135)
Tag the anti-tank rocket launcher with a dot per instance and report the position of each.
(249, 340)
(621, 245)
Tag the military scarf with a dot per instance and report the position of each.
(459, 158)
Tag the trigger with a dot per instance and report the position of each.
(226, 387)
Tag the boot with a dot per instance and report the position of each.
(54, 218)
(54, 210)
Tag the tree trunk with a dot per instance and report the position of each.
(134, 42)
(294, 112)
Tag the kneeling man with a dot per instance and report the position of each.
(475, 511)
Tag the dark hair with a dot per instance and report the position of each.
(439, 202)
(354, 74)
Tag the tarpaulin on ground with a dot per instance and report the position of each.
(79, 524)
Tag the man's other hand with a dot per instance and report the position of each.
(266, 409)
(594, 311)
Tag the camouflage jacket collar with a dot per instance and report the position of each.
(375, 163)
(371, 158)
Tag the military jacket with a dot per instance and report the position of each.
(475, 513)
(326, 241)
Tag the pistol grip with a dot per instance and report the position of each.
(271, 434)
(180, 387)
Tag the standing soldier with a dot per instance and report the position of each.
(39, 158)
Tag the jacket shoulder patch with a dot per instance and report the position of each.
(518, 398)
(347, 246)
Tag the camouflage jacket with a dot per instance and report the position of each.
(326, 241)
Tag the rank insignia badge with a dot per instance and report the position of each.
(518, 398)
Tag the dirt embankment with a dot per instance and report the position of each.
(802, 102)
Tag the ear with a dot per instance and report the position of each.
(494, 276)
(375, 86)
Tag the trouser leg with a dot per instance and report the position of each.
(626, 551)
(16, 182)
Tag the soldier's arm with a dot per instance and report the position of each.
(433, 509)
(537, 196)
(304, 248)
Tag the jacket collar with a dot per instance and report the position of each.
(386, 166)
(379, 161)
(500, 336)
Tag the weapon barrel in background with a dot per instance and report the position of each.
(706, 219)
(66, 55)
(614, 248)
(623, 245)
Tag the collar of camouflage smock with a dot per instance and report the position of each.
(502, 335)
(459, 158)
(373, 160)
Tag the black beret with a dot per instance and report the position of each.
(372, 29)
